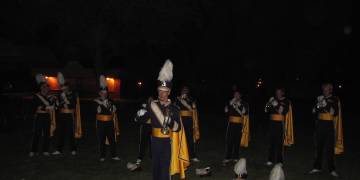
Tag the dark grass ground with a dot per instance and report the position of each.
(15, 143)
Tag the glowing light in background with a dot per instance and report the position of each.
(139, 84)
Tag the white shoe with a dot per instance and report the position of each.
(138, 161)
(196, 160)
(31, 154)
(46, 153)
(314, 171)
(334, 174)
(225, 161)
(116, 158)
(56, 153)
(133, 167)
(74, 153)
(268, 163)
(102, 159)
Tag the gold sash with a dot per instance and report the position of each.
(235, 119)
(105, 118)
(326, 117)
(67, 111)
(186, 113)
(277, 117)
(156, 132)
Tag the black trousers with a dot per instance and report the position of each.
(276, 132)
(161, 157)
(325, 142)
(145, 139)
(65, 130)
(41, 128)
(189, 133)
(106, 130)
(233, 137)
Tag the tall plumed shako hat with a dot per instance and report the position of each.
(165, 76)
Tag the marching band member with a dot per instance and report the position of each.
(44, 117)
(168, 142)
(281, 126)
(107, 123)
(328, 131)
(68, 119)
(238, 130)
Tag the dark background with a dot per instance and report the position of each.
(213, 44)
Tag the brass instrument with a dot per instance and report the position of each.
(165, 127)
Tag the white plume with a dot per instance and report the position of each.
(103, 83)
(166, 73)
(240, 167)
(277, 173)
(40, 78)
(60, 78)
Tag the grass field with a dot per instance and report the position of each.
(15, 164)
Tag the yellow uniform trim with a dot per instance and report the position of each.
(186, 113)
(235, 119)
(326, 116)
(156, 132)
(101, 117)
(277, 117)
(67, 111)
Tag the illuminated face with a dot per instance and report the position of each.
(327, 89)
(184, 91)
(163, 95)
(237, 95)
(103, 94)
(65, 88)
(44, 89)
(279, 93)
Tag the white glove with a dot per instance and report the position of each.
(274, 103)
(243, 111)
(193, 105)
(271, 99)
(320, 98)
(141, 112)
(143, 105)
(113, 108)
(281, 109)
(98, 109)
(226, 109)
(332, 111)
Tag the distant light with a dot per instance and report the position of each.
(109, 79)
(340, 86)
(46, 77)
(139, 83)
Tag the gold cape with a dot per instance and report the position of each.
(77, 118)
(339, 139)
(245, 136)
(179, 153)
(289, 128)
(196, 128)
(52, 114)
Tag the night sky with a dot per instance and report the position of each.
(208, 40)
